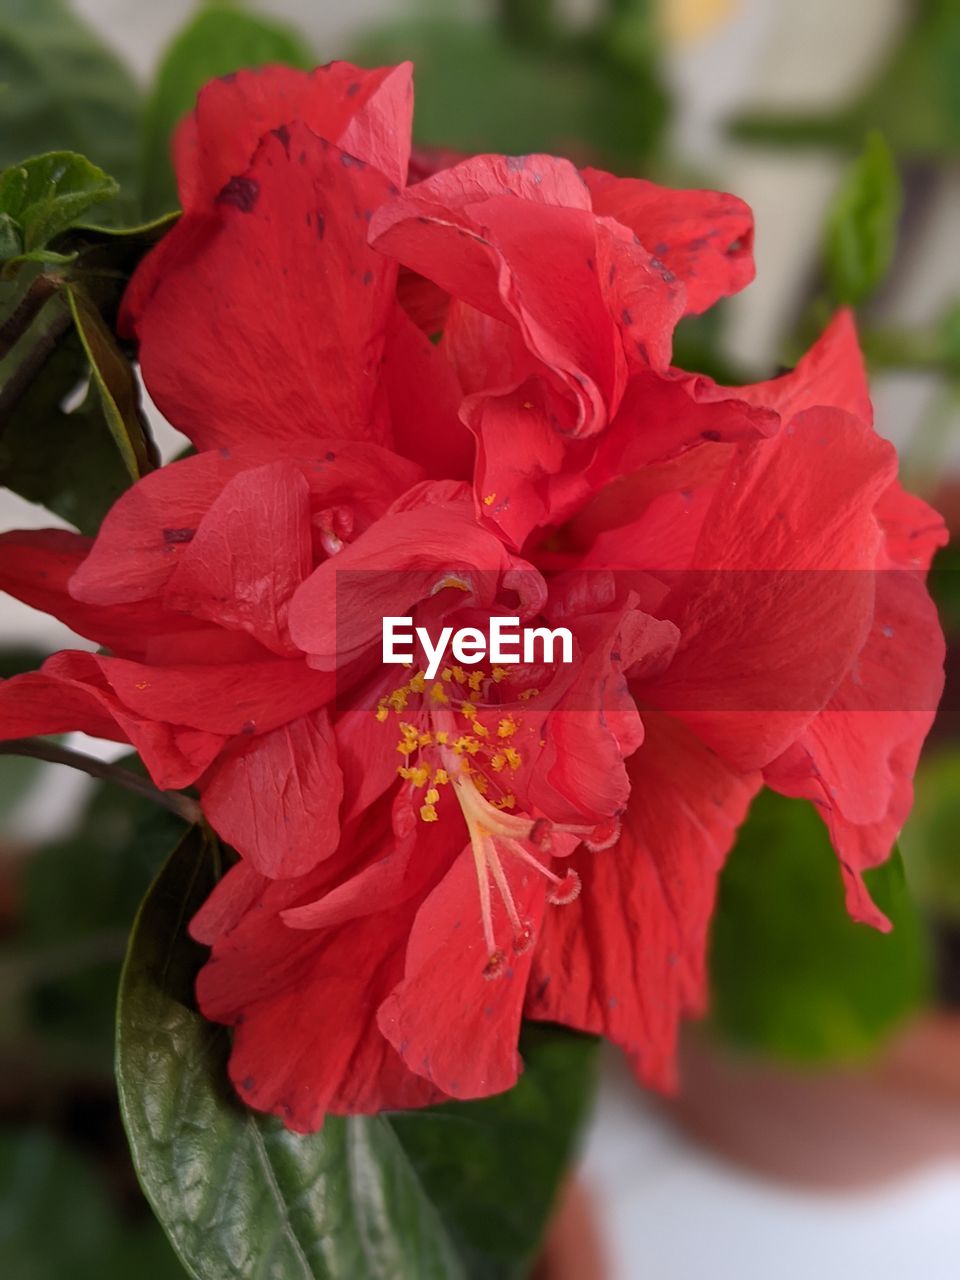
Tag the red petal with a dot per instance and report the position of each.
(231, 698)
(268, 316)
(704, 237)
(447, 1022)
(275, 797)
(250, 552)
(37, 564)
(69, 693)
(626, 959)
(774, 623)
(367, 112)
(424, 398)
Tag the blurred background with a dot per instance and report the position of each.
(819, 1130)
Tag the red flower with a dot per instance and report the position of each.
(424, 862)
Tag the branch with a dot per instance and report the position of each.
(41, 749)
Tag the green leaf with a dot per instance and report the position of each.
(11, 238)
(116, 385)
(43, 1181)
(219, 40)
(63, 458)
(792, 975)
(492, 1167)
(47, 194)
(62, 89)
(372, 1198)
(861, 232)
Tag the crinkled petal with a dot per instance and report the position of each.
(250, 552)
(275, 797)
(626, 959)
(704, 237)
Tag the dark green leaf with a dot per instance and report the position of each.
(492, 1167)
(64, 90)
(368, 1197)
(861, 232)
(220, 39)
(116, 385)
(792, 975)
(64, 459)
(47, 194)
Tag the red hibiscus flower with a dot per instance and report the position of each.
(424, 861)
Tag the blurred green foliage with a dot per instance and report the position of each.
(913, 100)
(792, 975)
(527, 81)
(61, 89)
(930, 839)
(59, 1219)
(861, 233)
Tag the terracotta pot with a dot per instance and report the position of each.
(572, 1249)
(838, 1129)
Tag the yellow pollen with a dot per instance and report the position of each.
(441, 777)
(480, 782)
(527, 694)
(459, 675)
(418, 682)
(507, 727)
(475, 680)
(425, 739)
(500, 673)
(398, 699)
(490, 499)
(438, 693)
(382, 713)
(498, 761)
(406, 747)
(506, 802)
(441, 738)
(514, 758)
(428, 812)
(432, 796)
(469, 711)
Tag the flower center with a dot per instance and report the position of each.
(456, 736)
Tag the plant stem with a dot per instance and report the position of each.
(41, 749)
